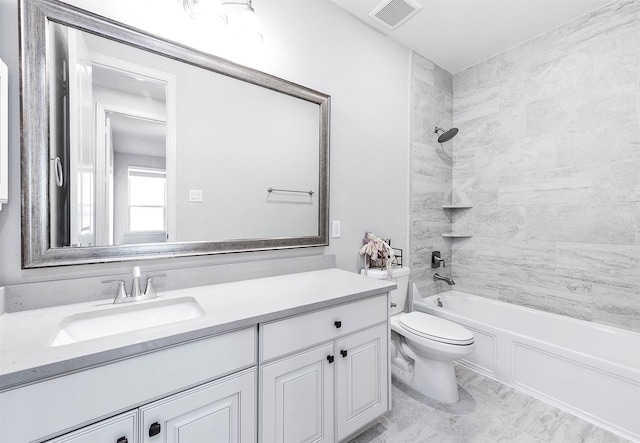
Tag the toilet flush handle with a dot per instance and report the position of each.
(393, 305)
(338, 324)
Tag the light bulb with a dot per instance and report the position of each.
(244, 24)
(205, 10)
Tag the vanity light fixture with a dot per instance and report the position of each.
(205, 8)
(239, 16)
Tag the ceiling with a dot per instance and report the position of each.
(456, 34)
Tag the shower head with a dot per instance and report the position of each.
(447, 135)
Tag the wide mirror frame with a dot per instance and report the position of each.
(36, 250)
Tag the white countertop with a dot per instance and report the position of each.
(25, 337)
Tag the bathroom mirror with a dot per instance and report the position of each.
(134, 147)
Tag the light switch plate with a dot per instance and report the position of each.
(195, 195)
(335, 229)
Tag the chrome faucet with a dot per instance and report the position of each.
(448, 280)
(136, 293)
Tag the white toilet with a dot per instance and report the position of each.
(423, 346)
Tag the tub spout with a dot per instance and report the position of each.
(448, 280)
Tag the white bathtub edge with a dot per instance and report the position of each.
(493, 366)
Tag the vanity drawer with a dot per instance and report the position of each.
(288, 335)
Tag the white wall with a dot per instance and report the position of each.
(313, 43)
(233, 150)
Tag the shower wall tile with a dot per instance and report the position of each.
(421, 250)
(610, 274)
(475, 280)
(430, 100)
(530, 53)
(431, 161)
(617, 56)
(567, 73)
(448, 107)
(558, 302)
(504, 126)
(464, 255)
(428, 190)
(476, 103)
(603, 101)
(429, 227)
(603, 262)
(513, 254)
(465, 164)
(493, 221)
(443, 80)
(465, 80)
(423, 70)
(547, 186)
(551, 166)
(524, 154)
(490, 71)
(618, 309)
(607, 223)
(612, 19)
(612, 177)
(430, 170)
(479, 191)
(539, 281)
(608, 141)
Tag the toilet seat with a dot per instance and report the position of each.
(436, 328)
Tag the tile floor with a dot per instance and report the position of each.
(488, 411)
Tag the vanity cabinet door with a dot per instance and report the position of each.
(297, 398)
(362, 379)
(120, 429)
(221, 411)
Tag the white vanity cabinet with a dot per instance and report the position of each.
(223, 411)
(362, 388)
(302, 357)
(180, 376)
(324, 375)
(297, 398)
(120, 429)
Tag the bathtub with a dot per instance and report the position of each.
(587, 369)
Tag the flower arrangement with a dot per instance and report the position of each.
(377, 251)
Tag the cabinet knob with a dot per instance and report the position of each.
(343, 353)
(338, 324)
(122, 440)
(330, 358)
(154, 429)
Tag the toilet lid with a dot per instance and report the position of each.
(436, 328)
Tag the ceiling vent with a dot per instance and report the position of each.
(393, 13)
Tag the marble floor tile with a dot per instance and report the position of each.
(488, 412)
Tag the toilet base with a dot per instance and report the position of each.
(435, 379)
(432, 378)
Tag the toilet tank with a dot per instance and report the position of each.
(398, 275)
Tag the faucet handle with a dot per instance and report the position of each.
(150, 290)
(436, 260)
(121, 291)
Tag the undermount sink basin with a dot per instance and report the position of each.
(89, 325)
